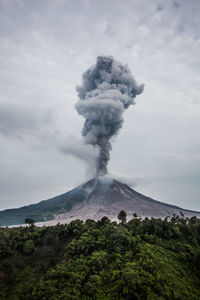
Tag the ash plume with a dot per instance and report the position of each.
(107, 89)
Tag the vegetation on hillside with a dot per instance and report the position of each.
(42, 211)
(140, 259)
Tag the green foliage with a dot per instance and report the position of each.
(140, 259)
(28, 247)
(29, 221)
(122, 216)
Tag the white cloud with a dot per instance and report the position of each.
(45, 48)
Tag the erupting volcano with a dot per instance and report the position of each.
(92, 200)
(107, 90)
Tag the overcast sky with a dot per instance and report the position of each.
(46, 45)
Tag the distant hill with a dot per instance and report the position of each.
(94, 199)
(42, 211)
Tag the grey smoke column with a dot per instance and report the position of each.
(107, 89)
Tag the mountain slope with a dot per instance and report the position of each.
(42, 211)
(94, 199)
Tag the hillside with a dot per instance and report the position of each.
(42, 211)
(140, 259)
(94, 199)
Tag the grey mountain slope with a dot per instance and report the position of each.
(94, 199)
(109, 198)
(42, 211)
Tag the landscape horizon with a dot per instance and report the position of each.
(92, 200)
(89, 89)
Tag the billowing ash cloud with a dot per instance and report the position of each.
(107, 89)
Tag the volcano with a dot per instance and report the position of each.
(92, 200)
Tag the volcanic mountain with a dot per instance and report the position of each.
(92, 200)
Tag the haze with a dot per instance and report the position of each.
(47, 45)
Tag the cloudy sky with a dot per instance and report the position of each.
(46, 45)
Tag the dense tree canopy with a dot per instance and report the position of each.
(140, 259)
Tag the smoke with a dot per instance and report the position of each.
(85, 153)
(107, 89)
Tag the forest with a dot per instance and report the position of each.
(137, 259)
